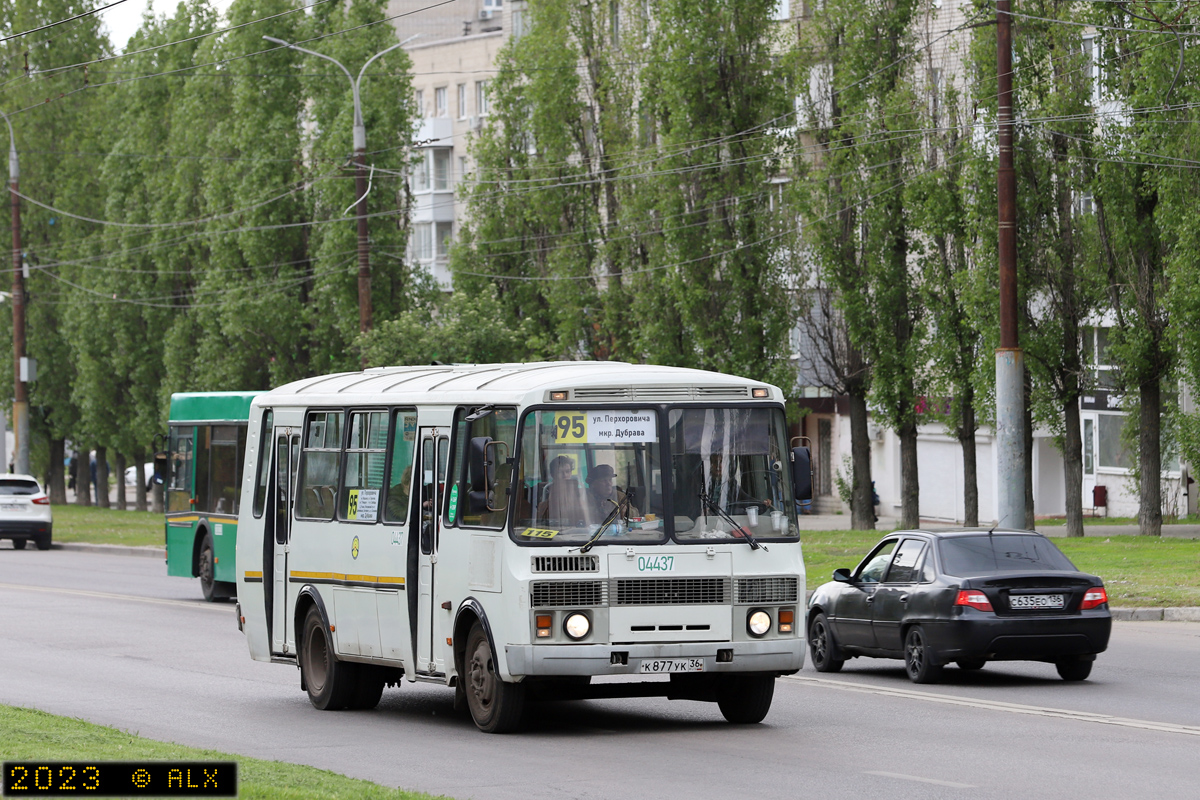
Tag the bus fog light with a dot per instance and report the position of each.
(758, 623)
(577, 626)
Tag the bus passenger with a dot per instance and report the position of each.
(396, 508)
(561, 501)
(603, 494)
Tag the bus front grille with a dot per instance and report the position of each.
(777, 589)
(566, 563)
(560, 594)
(671, 591)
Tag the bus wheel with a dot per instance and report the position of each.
(745, 699)
(495, 705)
(208, 569)
(368, 688)
(330, 683)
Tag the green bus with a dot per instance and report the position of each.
(205, 454)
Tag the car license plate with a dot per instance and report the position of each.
(11, 507)
(1035, 601)
(664, 665)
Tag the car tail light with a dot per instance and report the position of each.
(973, 598)
(1096, 596)
(42, 501)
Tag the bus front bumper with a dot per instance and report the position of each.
(777, 655)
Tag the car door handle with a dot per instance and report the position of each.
(903, 598)
(870, 599)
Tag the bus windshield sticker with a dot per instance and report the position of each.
(453, 503)
(540, 533)
(367, 505)
(601, 427)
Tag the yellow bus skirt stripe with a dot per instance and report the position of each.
(338, 577)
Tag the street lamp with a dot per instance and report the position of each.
(360, 175)
(20, 391)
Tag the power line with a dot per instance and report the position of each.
(61, 21)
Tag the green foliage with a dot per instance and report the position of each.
(467, 328)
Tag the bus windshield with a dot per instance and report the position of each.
(729, 474)
(581, 468)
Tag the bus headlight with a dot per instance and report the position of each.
(758, 623)
(577, 625)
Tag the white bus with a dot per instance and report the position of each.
(518, 531)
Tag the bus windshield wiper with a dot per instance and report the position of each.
(609, 520)
(720, 512)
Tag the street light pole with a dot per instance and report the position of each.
(360, 177)
(20, 391)
(1010, 368)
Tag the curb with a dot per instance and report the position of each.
(1185, 614)
(146, 551)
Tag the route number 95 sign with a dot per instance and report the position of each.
(604, 427)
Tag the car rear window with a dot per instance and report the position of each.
(978, 555)
(12, 486)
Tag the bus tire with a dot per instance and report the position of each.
(330, 683)
(745, 699)
(207, 568)
(495, 705)
(368, 689)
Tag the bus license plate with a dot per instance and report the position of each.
(1036, 601)
(656, 666)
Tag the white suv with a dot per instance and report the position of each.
(24, 511)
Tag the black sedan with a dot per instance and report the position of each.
(965, 597)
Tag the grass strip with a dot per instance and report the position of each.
(28, 735)
(95, 525)
(1138, 571)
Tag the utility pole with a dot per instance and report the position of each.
(1010, 364)
(361, 186)
(20, 391)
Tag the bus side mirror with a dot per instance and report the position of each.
(160, 468)
(481, 474)
(802, 473)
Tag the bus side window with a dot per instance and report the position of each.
(319, 465)
(264, 462)
(500, 427)
(223, 473)
(179, 486)
(364, 464)
(404, 445)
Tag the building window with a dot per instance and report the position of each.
(1096, 358)
(481, 98)
(441, 169)
(420, 172)
(431, 241)
(1111, 453)
(419, 100)
(462, 101)
(439, 102)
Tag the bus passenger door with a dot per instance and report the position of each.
(435, 451)
(287, 452)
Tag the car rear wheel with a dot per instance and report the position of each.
(820, 646)
(917, 662)
(971, 663)
(19, 544)
(745, 699)
(495, 705)
(1074, 670)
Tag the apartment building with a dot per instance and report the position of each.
(453, 56)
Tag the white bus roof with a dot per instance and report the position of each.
(518, 384)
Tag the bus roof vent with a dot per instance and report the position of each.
(722, 391)
(566, 564)
(663, 393)
(601, 393)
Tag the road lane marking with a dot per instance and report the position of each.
(995, 705)
(904, 777)
(111, 596)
